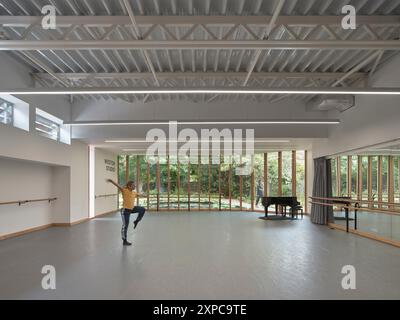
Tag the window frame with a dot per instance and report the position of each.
(11, 106)
(51, 121)
(211, 182)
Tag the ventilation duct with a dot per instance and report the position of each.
(331, 102)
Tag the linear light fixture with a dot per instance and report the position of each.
(225, 150)
(244, 140)
(223, 90)
(186, 122)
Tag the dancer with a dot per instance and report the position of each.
(129, 196)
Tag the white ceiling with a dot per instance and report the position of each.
(221, 22)
(200, 43)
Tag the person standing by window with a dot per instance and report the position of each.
(259, 191)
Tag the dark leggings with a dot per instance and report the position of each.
(126, 214)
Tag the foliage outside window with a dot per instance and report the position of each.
(371, 182)
(174, 185)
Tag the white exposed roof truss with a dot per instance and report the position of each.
(135, 43)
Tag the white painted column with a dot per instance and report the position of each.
(91, 181)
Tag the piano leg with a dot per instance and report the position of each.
(266, 212)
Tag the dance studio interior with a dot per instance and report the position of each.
(199, 149)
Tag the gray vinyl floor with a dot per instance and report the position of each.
(198, 255)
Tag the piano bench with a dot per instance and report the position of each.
(297, 209)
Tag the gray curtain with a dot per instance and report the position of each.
(322, 187)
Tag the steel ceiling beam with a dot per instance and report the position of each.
(202, 90)
(221, 75)
(357, 67)
(23, 45)
(138, 36)
(266, 35)
(101, 21)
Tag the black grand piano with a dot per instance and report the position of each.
(284, 202)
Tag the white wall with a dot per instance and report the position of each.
(61, 185)
(79, 164)
(15, 75)
(71, 170)
(104, 205)
(67, 165)
(373, 120)
(119, 110)
(22, 180)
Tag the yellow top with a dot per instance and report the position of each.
(129, 198)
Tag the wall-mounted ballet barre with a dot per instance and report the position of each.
(21, 202)
(106, 195)
(346, 204)
(344, 199)
(366, 209)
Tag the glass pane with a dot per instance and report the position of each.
(153, 188)
(374, 182)
(132, 168)
(273, 174)
(396, 179)
(300, 177)
(47, 128)
(184, 182)
(246, 183)
(205, 181)
(287, 173)
(142, 185)
(364, 178)
(121, 170)
(258, 180)
(173, 167)
(225, 185)
(194, 186)
(214, 192)
(235, 202)
(343, 176)
(334, 177)
(121, 175)
(385, 181)
(204, 184)
(163, 183)
(354, 175)
(6, 112)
